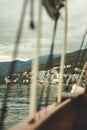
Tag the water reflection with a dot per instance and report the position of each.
(18, 102)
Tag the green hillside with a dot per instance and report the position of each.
(75, 59)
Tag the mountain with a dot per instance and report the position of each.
(21, 65)
(74, 59)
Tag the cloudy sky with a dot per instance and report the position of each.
(10, 11)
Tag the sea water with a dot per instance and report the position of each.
(18, 102)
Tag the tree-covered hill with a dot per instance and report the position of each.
(75, 59)
(21, 66)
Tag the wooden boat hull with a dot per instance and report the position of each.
(71, 114)
(63, 116)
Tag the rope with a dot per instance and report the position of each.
(15, 53)
(49, 64)
(80, 77)
(40, 99)
(59, 97)
(32, 15)
(79, 52)
(34, 89)
(12, 67)
(83, 55)
(50, 59)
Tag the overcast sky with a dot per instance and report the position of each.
(10, 11)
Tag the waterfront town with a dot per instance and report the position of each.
(44, 77)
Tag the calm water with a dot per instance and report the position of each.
(18, 102)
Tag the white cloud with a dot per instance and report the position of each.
(10, 11)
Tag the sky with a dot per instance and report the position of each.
(10, 12)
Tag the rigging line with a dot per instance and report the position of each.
(82, 59)
(35, 67)
(40, 99)
(50, 59)
(47, 94)
(32, 15)
(78, 55)
(11, 69)
(84, 54)
(86, 77)
(84, 67)
(59, 97)
(80, 77)
(15, 53)
(49, 63)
